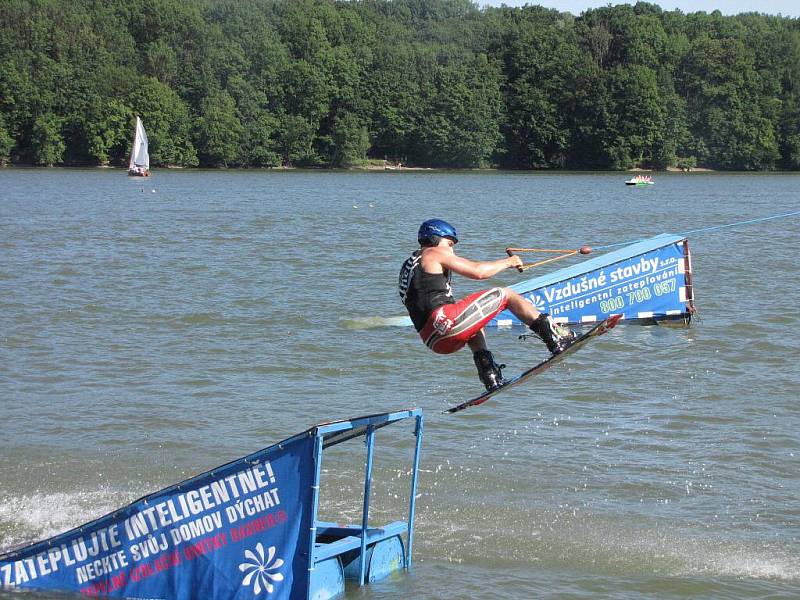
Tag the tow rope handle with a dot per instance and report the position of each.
(561, 253)
(510, 252)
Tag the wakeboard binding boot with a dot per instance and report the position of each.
(488, 370)
(556, 337)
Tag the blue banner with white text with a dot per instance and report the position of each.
(651, 285)
(239, 531)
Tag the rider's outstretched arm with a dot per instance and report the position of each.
(476, 269)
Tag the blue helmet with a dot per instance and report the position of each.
(432, 229)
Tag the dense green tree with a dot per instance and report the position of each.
(790, 114)
(162, 62)
(6, 143)
(17, 91)
(666, 148)
(169, 125)
(295, 136)
(460, 125)
(261, 146)
(727, 120)
(592, 122)
(349, 141)
(540, 60)
(219, 131)
(259, 125)
(107, 128)
(639, 114)
(394, 88)
(47, 143)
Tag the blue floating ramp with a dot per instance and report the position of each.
(649, 280)
(247, 529)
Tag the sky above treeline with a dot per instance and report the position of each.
(787, 8)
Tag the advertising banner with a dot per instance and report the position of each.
(640, 284)
(239, 531)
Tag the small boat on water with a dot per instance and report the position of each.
(640, 180)
(139, 165)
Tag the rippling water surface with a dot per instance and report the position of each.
(150, 330)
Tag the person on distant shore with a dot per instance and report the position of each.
(446, 325)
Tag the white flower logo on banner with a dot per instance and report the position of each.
(538, 302)
(258, 569)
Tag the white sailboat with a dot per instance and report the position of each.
(139, 165)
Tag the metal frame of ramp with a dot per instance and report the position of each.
(359, 551)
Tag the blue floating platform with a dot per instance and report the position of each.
(245, 529)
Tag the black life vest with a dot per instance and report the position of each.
(422, 292)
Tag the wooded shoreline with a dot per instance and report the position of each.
(429, 83)
(379, 169)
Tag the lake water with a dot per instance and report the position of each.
(151, 330)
